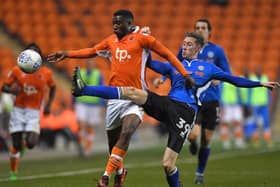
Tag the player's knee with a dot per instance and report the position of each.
(31, 140)
(168, 167)
(130, 92)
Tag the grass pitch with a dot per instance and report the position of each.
(235, 168)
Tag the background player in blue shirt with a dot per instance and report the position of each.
(181, 101)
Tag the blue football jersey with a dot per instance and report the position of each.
(202, 72)
(214, 54)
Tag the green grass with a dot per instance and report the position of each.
(235, 168)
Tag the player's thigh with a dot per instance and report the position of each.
(210, 115)
(179, 124)
(17, 140)
(158, 107)
(81, 111)
(17, 120)
(118, 109)
(32, 117)
(237, 113)
(94, 116)
(130, 123)
(226, 114)
(31, 139)
(231, 113)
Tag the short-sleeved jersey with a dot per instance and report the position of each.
(31, 86)
(128, 57)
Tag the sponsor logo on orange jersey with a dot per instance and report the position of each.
(122, 55)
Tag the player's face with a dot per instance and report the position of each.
(189, 48)
(120, 26)
(202, 28)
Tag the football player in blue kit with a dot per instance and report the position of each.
(181, 101)
(208, 115)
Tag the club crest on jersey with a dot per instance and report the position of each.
(210, 54)
(201, 68)
(122, 55)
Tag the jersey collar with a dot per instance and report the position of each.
(189, 61)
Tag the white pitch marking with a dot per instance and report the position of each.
(149, 164)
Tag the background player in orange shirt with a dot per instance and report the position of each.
(25, 116)
(129, 51)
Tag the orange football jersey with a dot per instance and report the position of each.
(128, 57)
(31, 86)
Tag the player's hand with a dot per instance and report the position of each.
(189, 82)
(57, 56)
(145, 30)
(271, 85)
(157, 82)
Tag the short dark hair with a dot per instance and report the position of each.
(198, 37)
(34, 47)
(205, 21)
(124, 13)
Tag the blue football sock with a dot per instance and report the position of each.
(173, 178)
(106, 92)
(203, 155)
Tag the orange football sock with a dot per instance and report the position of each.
(238, 132)
(14, 159)
(267, 136)
(115, 161)
(224, 133)
(89, 140)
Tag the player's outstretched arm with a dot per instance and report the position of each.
(271, 85)
(81, 53)
(57, 56)
(241, 81)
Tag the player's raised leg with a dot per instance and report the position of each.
(79, 88)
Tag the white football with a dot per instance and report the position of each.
(29, 61)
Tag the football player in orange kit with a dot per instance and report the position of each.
(25, 116)
(129, 51)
